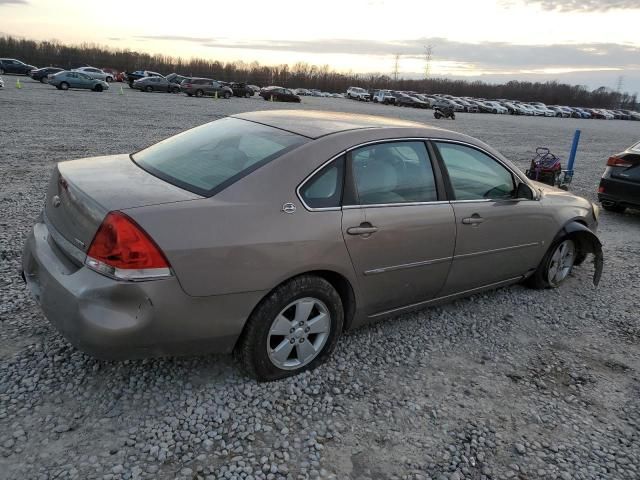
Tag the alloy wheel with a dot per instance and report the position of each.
(561, 262)
(298, 333)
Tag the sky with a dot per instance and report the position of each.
(590, 42)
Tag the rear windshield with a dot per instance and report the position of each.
(209, 158)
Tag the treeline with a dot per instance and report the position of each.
(303, 75)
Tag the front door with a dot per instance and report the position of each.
(399, 233)
(499, 237)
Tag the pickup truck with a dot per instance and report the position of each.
(131, 77)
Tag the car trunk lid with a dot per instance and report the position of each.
(625, 166)
(82, 192)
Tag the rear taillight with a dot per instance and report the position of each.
(122, 249)
(618, 162)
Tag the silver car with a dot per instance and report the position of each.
(269, 233)
(155, 84)
(68, 79)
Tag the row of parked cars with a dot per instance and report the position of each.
(475, 105)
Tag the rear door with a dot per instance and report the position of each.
(498, 237)
(398, 229)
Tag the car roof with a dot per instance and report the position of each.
(315, 124)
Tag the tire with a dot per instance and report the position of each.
(2, 72)
(226, 95)
(43, 80)
(247, 94)
(615, 208)
(64, 86)
(437, 115)
(271, 325)
(98, 88)
(109, 79)
(189, 94)
(199, 93)
(453, 116)
(148, 89)
(175, 90)
(556, 264)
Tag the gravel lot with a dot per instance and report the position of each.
(515, 383)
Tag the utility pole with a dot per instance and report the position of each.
(396, 66)
(619, 90)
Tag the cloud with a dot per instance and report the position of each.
(175, 38)
(495, 54)
(581, 5)
(13, 2)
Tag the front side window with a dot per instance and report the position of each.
(475, 175)
(397, 172)
(324, 189)
(208, 158)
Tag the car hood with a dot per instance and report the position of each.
(555, 195)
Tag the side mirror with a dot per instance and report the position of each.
(524, 192)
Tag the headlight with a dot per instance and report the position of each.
(596, 210)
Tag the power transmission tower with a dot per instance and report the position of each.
(396, 66)
(619, 90)
(428, 53)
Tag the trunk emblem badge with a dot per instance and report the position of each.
(55, 201)
(289, 208)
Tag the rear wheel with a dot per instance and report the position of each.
(64, 86)
(556, 264)
(98, 88)
(247, 94)
(148, 89)
(614, 208)
(293, 329)
(109, 79)
(43, 79)
(199, 93)
(226, 95)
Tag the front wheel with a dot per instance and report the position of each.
(293, 329)
(199, 93)
(247, 94)
(109, 79)
(437, 115)
(227, 95)
(148, 89)
(64, 86)
(556, 265)
(98, 88)
(453, 116)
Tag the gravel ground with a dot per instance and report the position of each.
(514, 383)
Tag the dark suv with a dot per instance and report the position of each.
(242, 90)
(11, 65)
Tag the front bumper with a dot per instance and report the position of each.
(113, 319)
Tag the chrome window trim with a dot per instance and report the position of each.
(405, 139)
(400, 204)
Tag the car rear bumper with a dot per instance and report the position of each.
(619, 192)
(113, 319)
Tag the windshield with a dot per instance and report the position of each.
(208, 158)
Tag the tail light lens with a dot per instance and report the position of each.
(121, 249)
(618, 162)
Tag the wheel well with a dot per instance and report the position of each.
(344, 289)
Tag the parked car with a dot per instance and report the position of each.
(70, 79)
(514, 108)
(468, 107)
(16, 67)
(443, 102)
(582, 112)
(358, 93)
(255, 88)
(495, 107)
(303, 92)
(117, 75)
(279, 94)
(337, 95)
(385, 97)
(241, 90)
(1, 83)
(205, 87)
(405, 100)
(177, 79)
(41, 74)
(619, 187)
(94, 73)
(155, 84)
(131, 77)
(180, 248)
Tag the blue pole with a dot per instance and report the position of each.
(574, 150)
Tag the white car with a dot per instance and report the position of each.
(496, 107)
(95, 73)
(539, 111)
(358, 93)
(607, 115)
(527, 110)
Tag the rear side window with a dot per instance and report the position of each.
(324, 189)
(208, 158)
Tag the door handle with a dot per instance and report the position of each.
(474, 219)
(364, 229)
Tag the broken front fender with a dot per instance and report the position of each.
(587, 242)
